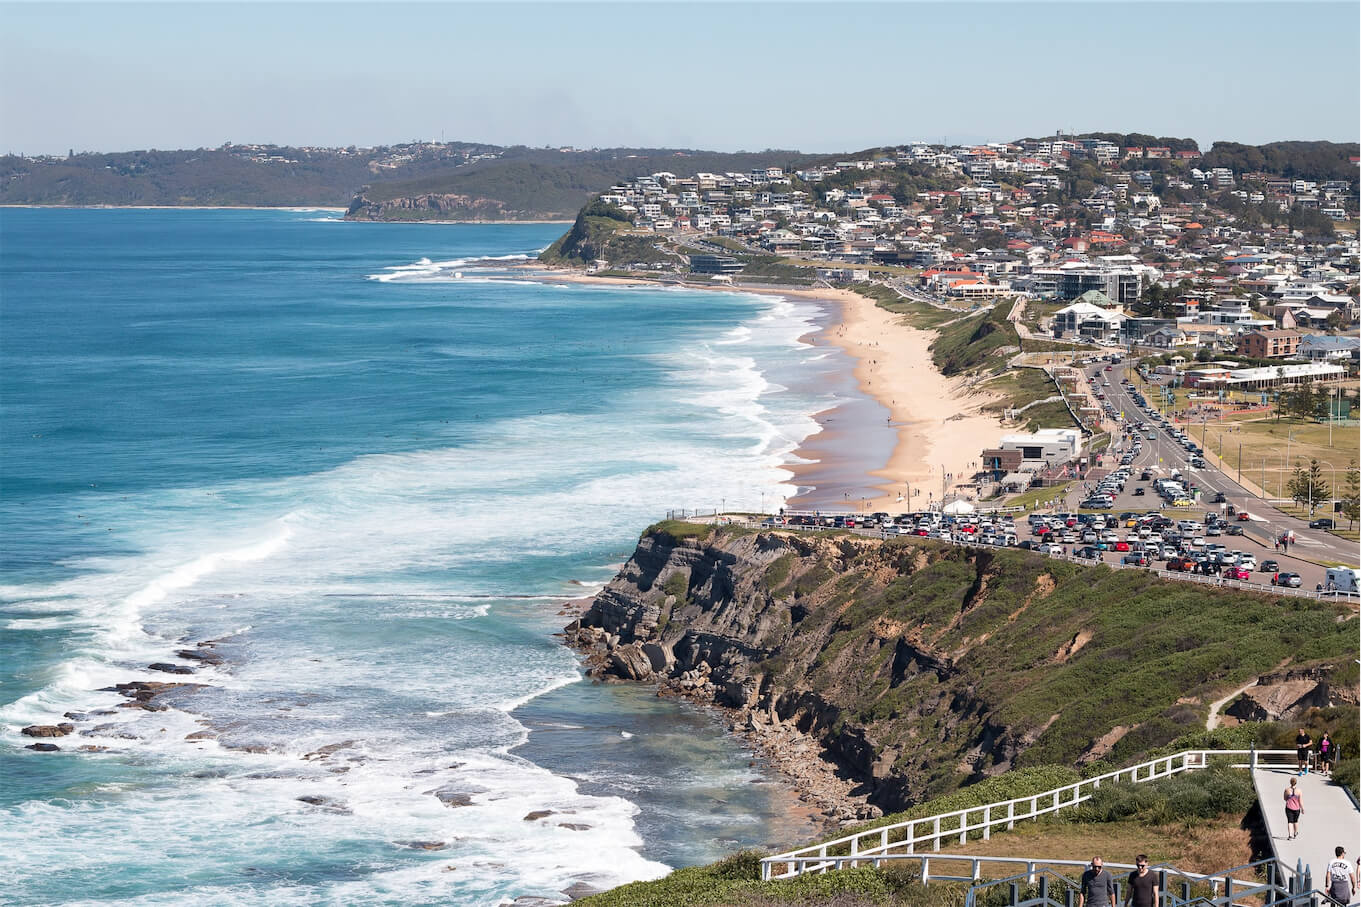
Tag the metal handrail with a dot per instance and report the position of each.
(956, 824)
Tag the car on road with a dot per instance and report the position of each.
(1218, 498)
(1237, 573)
(1291, 580)
(1244, 516)
(1234, 530)
(1137, 560)
(1139, 492)
(1270, 566)
(1321, 523)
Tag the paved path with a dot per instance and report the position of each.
(1329, 819)
(1213, 721)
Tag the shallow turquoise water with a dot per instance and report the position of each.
(374, 464)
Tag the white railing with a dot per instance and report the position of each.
(903, 838)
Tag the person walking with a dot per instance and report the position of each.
(1327, 755)
(1303, 743)
(1339, 878)
(1143, 885)
(1294, 806)
(1096, 888)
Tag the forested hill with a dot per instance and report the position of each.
(536, 183)
(391, 182)
(1296, 160)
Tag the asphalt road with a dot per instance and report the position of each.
(1163, 454)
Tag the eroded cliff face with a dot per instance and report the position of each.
(920, 667)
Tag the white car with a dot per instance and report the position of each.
(1053, 549)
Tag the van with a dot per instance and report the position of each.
(1341, 579)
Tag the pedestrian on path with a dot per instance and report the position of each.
(1303, 743)
(1327, 754)
(1143, 885)
(1294, 806)
(1096, 887)
(1339, 878)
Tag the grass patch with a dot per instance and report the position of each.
(972, 344)
(677, 530)
(1039, 498)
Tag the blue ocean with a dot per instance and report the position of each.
(370, 465)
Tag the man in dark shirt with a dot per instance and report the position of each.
(1143, 885)
(1097, 888)
(1303, 743)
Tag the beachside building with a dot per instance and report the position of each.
(1092, 322)
(714, 264)
(1269, 343)
(1046, 447)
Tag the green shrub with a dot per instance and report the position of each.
(676, 584)
(1203, 794)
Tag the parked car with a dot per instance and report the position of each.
(1053, 549)
(1138, 560)
(1237, 573)
(1321, 523)
(1292, 580)
(1090, 553)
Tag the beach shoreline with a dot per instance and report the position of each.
(939, 423)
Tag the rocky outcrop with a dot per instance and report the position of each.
(49, 730)
(1287, 695)
(879, 673)
(432, 206)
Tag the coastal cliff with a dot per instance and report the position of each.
(916, 668)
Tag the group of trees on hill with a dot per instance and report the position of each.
(1295, 160)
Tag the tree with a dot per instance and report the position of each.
(1351, 495)
(1306, 486)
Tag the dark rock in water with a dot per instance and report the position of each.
(145, 706)
(91, 748)
(44, 747)
(201, 735)
(578, 890)
(538, 814)
(323, 752)
(48, 730)
(454, 800)
(169, 668)
(77, 716)
(207, 656)
(574, 826)
(423, 845)
(327, 803)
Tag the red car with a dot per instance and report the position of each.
(1244, 515)
(1237, 573)
(1122, 546)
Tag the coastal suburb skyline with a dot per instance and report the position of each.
(813, 77)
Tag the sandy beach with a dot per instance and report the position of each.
(939, 424)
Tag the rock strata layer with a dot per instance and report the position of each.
(879, 673)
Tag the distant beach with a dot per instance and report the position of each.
(939, 427)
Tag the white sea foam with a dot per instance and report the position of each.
(365, 550)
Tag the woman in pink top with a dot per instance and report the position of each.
(1293, 807)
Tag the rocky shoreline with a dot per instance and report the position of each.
(829, 788)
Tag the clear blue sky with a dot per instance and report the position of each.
(809, 76)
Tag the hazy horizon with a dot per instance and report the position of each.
(810, 77)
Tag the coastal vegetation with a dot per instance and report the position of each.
(944, 678)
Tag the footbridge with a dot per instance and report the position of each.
(1293, 870)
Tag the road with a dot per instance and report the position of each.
(1161, 455)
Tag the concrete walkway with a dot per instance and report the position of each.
(1329, 819)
